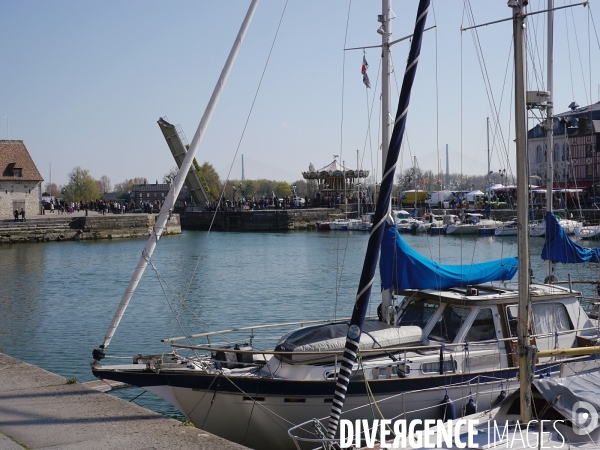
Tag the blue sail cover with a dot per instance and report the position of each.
(402, 267)
(560, 248)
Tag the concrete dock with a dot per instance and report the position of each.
(39, 410)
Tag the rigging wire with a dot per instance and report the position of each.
(235, 154)
(340, 270)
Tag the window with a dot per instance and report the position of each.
(588, 150)
(418, 313)
(483, 328)
(556, 152)
(511, 319)
(449, 324)
(589, 170)
(550, 317)
(18, 173)
(539, 154)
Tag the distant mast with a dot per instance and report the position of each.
(447, 168)
(243, 179)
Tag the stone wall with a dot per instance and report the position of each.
(69, 228)
(20, 191)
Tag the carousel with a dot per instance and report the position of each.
(336, 182)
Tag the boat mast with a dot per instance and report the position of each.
(524, 347)
(379, 222)
(167, 208)
(488, 146)
(550, 121)
(387, 122)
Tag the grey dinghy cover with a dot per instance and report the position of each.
(332, 337)
(575, 395)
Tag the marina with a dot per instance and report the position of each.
(246, 327)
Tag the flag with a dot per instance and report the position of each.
(363, 70)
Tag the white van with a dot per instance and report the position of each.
(437, 199)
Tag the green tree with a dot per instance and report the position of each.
(211, 177)
(282, 189)
(81, 186)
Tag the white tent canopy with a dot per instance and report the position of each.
(471, 195)
(495, 187)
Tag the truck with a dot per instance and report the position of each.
(414, 196)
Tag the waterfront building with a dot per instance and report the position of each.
(20, 180)
(576, 152)
(147, 192)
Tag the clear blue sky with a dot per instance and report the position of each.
(83, 83)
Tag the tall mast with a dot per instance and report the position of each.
(367, 276)
(524, 347)
(488, 145)
(167, 207)
(550, 120)
(386, 101)
(387, 122)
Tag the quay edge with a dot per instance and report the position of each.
(38, 409)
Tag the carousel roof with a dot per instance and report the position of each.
(336, 169)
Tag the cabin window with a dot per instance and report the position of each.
(550, 317)
(418, 313)
(511, 318)
(483, 328)
(449, 324)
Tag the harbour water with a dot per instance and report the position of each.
(57, 299)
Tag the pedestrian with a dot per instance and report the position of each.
(16, 214)
(51, 207)
(22, 214)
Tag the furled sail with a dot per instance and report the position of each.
(560, 248)
(402, 267)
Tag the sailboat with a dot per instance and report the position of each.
(566, 403)
(443, 331)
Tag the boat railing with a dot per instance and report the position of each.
(406, 348)
(258, 327)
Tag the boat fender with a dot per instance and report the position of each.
(447, 410)
(470, 407)
(379, 312)
(499, 399)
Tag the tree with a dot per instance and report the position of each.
(301, 188)
(52, 189)
(81, 186)
(211, 177)
(170, 175)
(124, 188)
(104, 184)
(282, 189)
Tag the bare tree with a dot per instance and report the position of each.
(170, 175)
(104, 184)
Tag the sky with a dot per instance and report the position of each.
(83, 83)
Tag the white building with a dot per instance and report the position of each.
(20, 180)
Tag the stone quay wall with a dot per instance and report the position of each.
(72, 228)
(263, 220)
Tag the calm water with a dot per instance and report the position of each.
(57, 299)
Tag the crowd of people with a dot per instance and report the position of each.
(100, 206)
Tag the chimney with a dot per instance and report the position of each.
(583, 124)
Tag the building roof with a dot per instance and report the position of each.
(14, 156)
(149, 187)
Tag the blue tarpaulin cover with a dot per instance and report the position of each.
(560, 248)
(402, 267)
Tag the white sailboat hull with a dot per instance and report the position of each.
(588, 232)
(264, 424)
